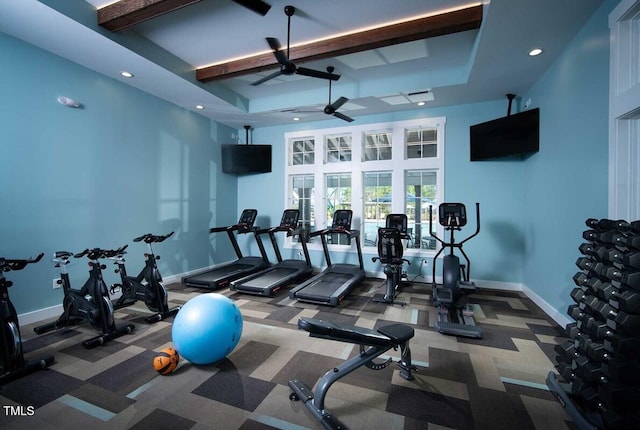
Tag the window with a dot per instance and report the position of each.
(338, 189)
(421, 193)
(302, 151)
(338, 149)
(302, 198)
(376, 146)
(372, 169)
(377, 204)
(422, 142)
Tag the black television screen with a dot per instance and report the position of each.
(513, 136)
(246, 159)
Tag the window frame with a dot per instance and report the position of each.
(397, 165)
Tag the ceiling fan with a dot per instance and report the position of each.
(258, 6)
(288, 67)
(330, 108)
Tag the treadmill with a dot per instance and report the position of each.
(267, 282)
(222, 274)
(335, 282)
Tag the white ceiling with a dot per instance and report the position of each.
(164, 52)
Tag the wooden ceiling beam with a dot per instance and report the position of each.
(126, 13)
(422, 28)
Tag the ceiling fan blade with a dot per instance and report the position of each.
(317, 74)
(343, 116)
(267, 78)
(338, 103)
(274, 44)
(258, 6)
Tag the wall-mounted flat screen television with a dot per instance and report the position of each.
(512, 137)
(246, 159)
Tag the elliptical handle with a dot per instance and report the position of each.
(431, 232)
(477, 224)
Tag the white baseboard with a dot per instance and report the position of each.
(40, 315)
(558, 317)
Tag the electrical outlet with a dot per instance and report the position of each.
(57, 283)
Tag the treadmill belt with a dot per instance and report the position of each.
(268, 279)
(323, 288)
(222, 272)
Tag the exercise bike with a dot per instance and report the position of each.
(147, 286)
(455, 315)
(91, 303)
(390, 251)
(13, 364)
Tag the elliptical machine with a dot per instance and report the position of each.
(390, 251)
(147, 286)
(12, 364)
(455, 315)
(91, 303)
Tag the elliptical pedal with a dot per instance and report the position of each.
(458, 329)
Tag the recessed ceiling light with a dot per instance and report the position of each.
(421, 103)
(295, 118)
(199, 107)
(126, 74)
(534, 52)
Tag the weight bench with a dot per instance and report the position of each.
(372, 343)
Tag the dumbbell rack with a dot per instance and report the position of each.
(600, 363)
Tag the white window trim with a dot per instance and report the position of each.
(397, 165)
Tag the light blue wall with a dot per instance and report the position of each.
(496, 254)
(128, 163)
(532, 211)
(567, 182)
(125, 164)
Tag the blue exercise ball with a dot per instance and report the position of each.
(207, 328)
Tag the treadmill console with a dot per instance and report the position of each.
(342, 220)
(290, 218)
(452, 215)
(397, 221)
(247, 218)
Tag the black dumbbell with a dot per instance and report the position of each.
(626, 300)
(628, 346)
(593, 350)
(606, 291)
(630, 279)
(587, 248)
(564, 370)
(631, 260)
(597, 329)
(571, 330)
(574, 311)
(618, 396)
(577, 294)
(619, 368)
(611, 255)
(580, 279)
(566, 351)
(629, 242)
(586, 391)
(586, 263)
(605, 224)
(624, 323)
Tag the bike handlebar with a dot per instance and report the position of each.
(7, 265)
(96, 253)
(150, 238)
